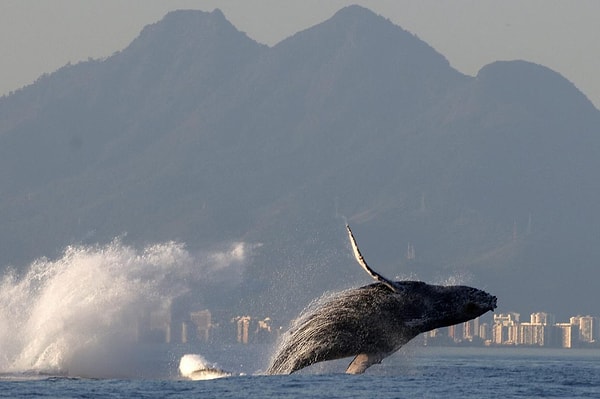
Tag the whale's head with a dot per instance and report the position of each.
(442, 306)
(469, 302)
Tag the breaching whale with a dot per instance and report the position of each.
(372, 322)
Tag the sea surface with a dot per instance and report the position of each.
(77, 327)
(415, 372)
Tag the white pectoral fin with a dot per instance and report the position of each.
(361, 261)
(363, 361)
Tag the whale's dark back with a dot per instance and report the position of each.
(374, 319)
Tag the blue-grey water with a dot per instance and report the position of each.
(412, 373)
(68, 330)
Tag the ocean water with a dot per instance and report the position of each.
(70, 328)
(413, 373)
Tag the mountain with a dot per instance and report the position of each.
(197, 133)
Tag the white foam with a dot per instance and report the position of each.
(195, 367)
(79, 314)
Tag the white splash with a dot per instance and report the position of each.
(195, 367)
(457, 278)
(79, 314)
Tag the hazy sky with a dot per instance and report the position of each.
(39, 36)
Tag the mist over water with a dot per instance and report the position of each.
(79, 314)
(457, 278)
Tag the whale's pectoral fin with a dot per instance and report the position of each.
(363, 361)
(361, 261)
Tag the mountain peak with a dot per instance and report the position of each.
(527, 82)
(184, 47)
(355, 27)
(189, 27)
(196, 19)
(355, 12)
(362, 21)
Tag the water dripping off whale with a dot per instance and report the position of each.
(374, 321)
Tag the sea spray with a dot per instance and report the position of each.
(195, 367)
(79, 314)
(458, 277)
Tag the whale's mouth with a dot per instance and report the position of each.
(488, 302)
(485, 302)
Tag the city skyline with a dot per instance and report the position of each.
(498, 330)
(507, 329)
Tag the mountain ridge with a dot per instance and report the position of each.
(197, 133)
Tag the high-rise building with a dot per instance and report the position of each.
(543, 318)
(471, 329)
(485, 332)
(264, 331)
(202, 321)
(455, 332)
(537, 332)
(505, 330)
(534, 334)
(243, 329)
(568, 334)
(500, 334)
(506, 319)
(589, 328)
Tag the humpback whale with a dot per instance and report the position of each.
(374, 321)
